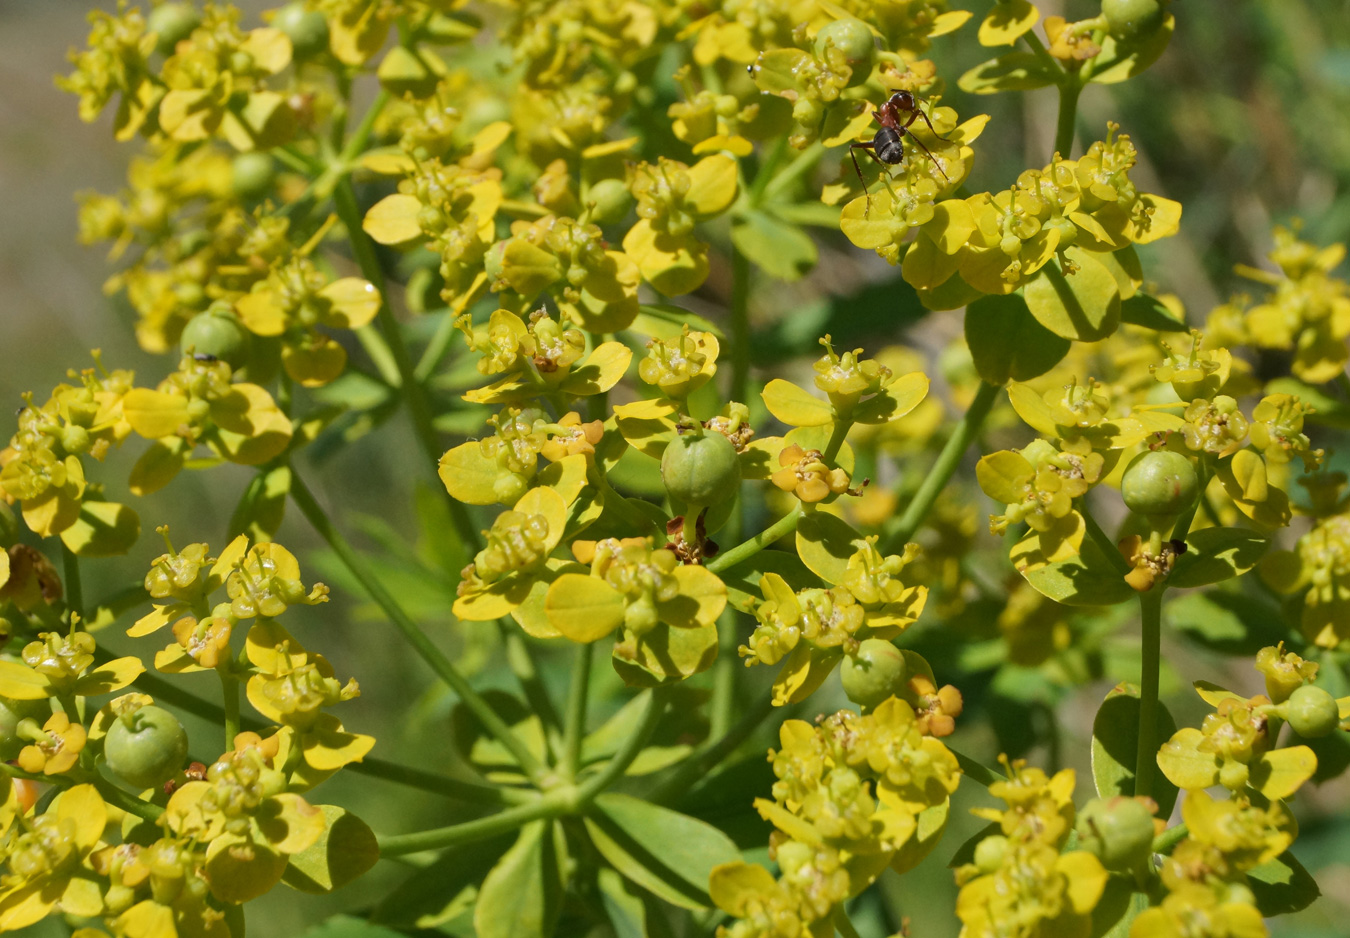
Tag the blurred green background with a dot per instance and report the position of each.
(1244, 120)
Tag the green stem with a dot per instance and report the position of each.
(1099, 537)
(357, 142)
(1070, 87)
(344, 199)
(977, 771)
(952, 452)
(439, 838)
(803, 163)
(435, 351)
(235, 921)
(110, 792)
(657, 700)
(432, 655)
(566, 800)
(229, 689)
(577, 694)
(74, 591)
(520, 659)
(378, 351)
(1182, 528)
(783, 526)
(1169, 838)
(711, 754)
(841, 427)
(189, 702)
(740, 326)
(725, 672)
(1146, 756)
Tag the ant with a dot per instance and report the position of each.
(887, 145)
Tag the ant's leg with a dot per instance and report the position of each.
(858, 169)
(930, 125)
(931, 157)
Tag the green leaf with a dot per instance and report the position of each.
(522, 895)
(1144, 310)
(1084, 306)
(1086, 579)
(779, 248)
(667, 853)
(1122, 59)
(966, 852)
(443, 891)
(825, 542)
(263, 506)
(1016, 71)
(663, 321)
(1226, 621)
(348, 926)
(1282, 886)
(1117, 908)
(796, 406)
(1115, 739)
(1007, 343)
(1217, 554)
(103, 529)
(345, 851)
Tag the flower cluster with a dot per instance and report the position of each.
(855, 794)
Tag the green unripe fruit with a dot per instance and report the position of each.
(306, 29)
(853, 38)
(989, 853)
(146, 747)
(1159, 483)
(172, 23)
(1130, 19)
(218, 333)
(251, 174)
(1312, 712)
(1118, 831)
(1234, 775)
(876, 672)
(611, 199)
(701, 468)
(75, 439)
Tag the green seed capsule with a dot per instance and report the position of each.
(1159, 483)
(876, 672)
(306, 29)
(851, 38)
(1131, 19)
(172, 23)
(146, 748)
(1119, 831)
(701, 468)
(219, 334)
(1312, 712)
